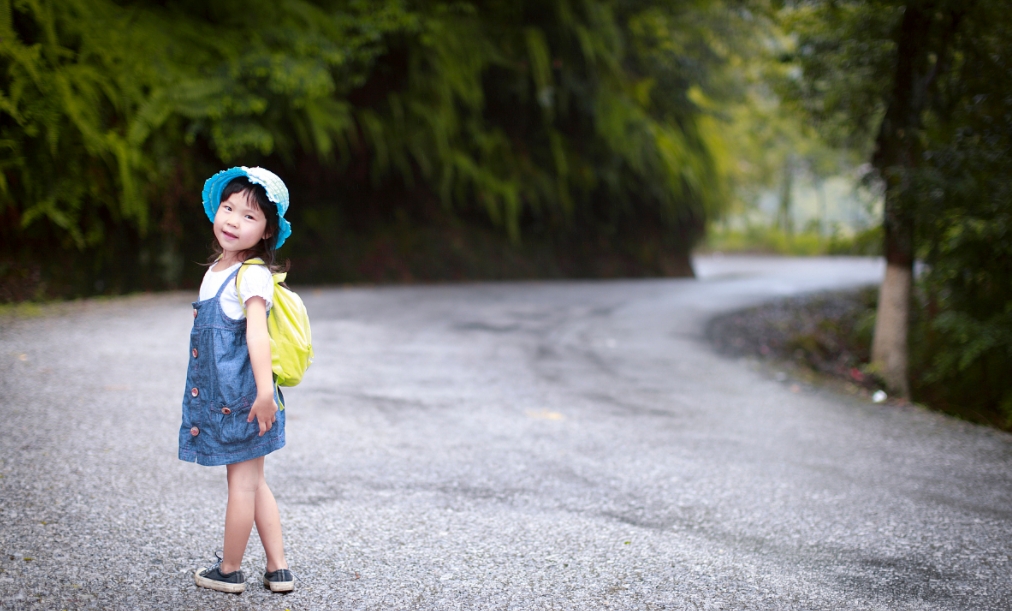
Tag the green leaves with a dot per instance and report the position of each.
(89, 88)
(942, 149)
(570, 118)
(63, 111)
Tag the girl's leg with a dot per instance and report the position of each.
(249, 500)
(269, 526)
(244, 480)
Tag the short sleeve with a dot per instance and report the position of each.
(257, 281)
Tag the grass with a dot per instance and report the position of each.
(25, 309)
(760, 239)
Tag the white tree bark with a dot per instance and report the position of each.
(889, 347)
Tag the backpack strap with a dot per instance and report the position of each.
(238, 279)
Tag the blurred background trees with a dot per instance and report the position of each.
(927, 83)
(563, 137)
(430, 140)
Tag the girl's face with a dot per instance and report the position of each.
(238, 225)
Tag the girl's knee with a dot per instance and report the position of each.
(246, 476)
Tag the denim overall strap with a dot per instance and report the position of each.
(220, 390)
(227, 281)
(230, 281)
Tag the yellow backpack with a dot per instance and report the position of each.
(288, 326)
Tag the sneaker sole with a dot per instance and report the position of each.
(220, 586)
(279, 586)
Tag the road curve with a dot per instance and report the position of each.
(542, 445)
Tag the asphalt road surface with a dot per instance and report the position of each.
(543, 445)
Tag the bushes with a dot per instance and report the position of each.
(964, 188)
(772, 240)
(566, 122)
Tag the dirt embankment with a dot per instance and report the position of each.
(825, 336)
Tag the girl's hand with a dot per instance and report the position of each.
(265, 411)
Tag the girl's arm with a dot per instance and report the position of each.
(259, 344)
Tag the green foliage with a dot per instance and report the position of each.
(96, 96)
(838, 66)
(768, 145)
(773, 240)
(954, 178)
(966, 194)
(566, 117)
(537, 109)
(68, 95)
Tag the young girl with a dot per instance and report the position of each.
(230, 407)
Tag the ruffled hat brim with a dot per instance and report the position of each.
(276, 190)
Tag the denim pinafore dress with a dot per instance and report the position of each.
(220, 389)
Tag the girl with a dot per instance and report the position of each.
(230, 407)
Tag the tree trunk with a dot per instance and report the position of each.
(892, 322)
(922, 38)
(785, 216)
(889, 348)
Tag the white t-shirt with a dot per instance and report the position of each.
(257, 281)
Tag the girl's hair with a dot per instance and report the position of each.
(264, 249)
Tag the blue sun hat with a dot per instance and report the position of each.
(276, 190)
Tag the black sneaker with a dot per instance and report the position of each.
(280, 580)
(212, 577)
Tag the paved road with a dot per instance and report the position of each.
(563, 445)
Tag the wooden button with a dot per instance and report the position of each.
(194, 431)
(194, 392)
(226, 411)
